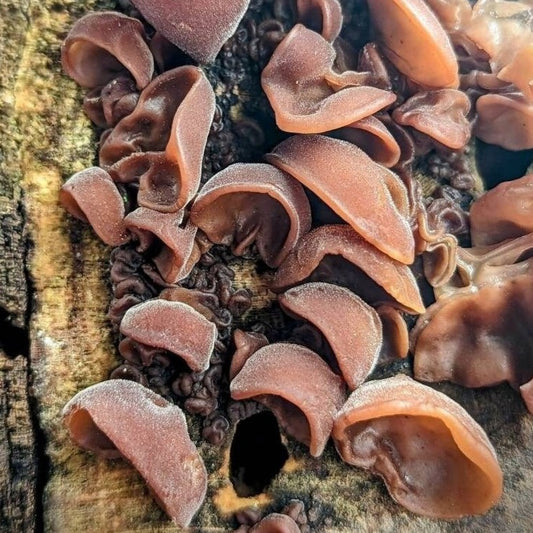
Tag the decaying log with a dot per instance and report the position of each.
(44, 138)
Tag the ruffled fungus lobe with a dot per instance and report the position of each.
(247, 203)
(276, 523)
(102, 46)
(434, 458)
(351, 327)
(371, 135)
(305, 92)
(505, 120)
(91, 196)
(520, 71)
(120, 418)
(415, 42)
(368, 196)
(395, 334)
(246, 344)
(526, 391)
(504, 212)
(200, 28)
(176, 251)
(322, 16)
(172, 326)
(297, 386)
(439, 114)
(172, 118)
(311, 254)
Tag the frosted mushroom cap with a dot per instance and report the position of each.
(172, 326)
(200, 28)
(120, 418)
(299, 388)
(415, 42)
(253, 202)
(368, 196)
(351, 327)
(101, 46)
(434, 458)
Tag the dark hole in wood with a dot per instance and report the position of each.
(13, 340)
(256, 455)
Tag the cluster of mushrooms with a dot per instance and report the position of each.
(437, 72)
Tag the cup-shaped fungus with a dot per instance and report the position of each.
(91, 196)
(368, 196)
(504, 212)
(120, 418)
(172, 326)
(176, 250)
(322, 16)
(103, 46)
(199, 28)
(434, 458)
(351, 327)
(415, 42)
(297, 386)
(395, 334)
(276, 523)
(305, 92)
(253, 202)
(505, 120)
(246, 344)
(172, 117)
(360, 267)
(439, 114)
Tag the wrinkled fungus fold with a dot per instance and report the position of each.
(253, 202)
(200, 28)
(432, 455)
(172, 118)
(246, 344)
(172, 326)
(306, 262)
(297, 386)
(368, 196)
(103, 46)
(91, 196)
(322, 16)
(307, 95)
(351, 327)
(120, 418)
(172, 243)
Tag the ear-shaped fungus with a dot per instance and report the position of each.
(173, 115)
(381, 279)
(526, 391)
(505, 120)
(371, 198)
(439, 114)
(297, 386)
(434, 458)
(322, 16)
(351, 326)
(246, 344)
(247, 203)
(307, 95)
(276, 523)
(176, 250)
(102, 46)
(395, 334)
(120, 418)
(504, 212)
(200, 28)
(415, 42)
(172, 326)
(91, 196)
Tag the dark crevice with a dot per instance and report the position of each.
(14, 340)
(256, 455)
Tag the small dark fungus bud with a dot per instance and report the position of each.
(172, 326)
(91, 196)
(351, 327)
(247, 203)
(120, 418)
(104, 46)
(433, 456)
(297, 386)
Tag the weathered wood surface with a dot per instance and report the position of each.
(44, 138)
